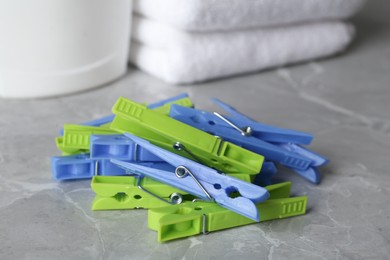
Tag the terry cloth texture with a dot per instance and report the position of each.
(212, 15)
(178, 56)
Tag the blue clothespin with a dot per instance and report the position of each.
(260, 130)
(201, 181)
(109, 118)
(213, 124)
(290, 144)
(119, 147)
(299, 159)
(81, 166)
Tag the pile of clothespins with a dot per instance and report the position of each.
(194, 170)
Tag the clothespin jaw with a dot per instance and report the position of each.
(192, 218)
(182, 139)
(129, 192)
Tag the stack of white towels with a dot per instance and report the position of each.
(187, 41)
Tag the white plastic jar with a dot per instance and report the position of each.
(54, 47)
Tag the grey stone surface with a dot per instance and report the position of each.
(343, 101)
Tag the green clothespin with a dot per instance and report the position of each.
(183, 139)
(122, 192)
(76, 138)
(129, 192)
(192, 218)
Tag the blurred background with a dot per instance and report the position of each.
(62, 47)
(316, 66)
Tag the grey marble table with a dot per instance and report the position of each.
(344, 101)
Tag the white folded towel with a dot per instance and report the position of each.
(209, 15)
(182, 57)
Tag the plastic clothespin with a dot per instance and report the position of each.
(161, 106)
(213, 124)
(81, 166)
(128, 192)
(201, 181)
(291, 143)
(182, 139)
(260, 130)
(119, 147)
(300, 160)
(76, 139)
(192, 218)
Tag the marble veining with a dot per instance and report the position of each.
(342, 100)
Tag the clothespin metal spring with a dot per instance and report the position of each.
(182, 171)
(174, 198)
(246, 131)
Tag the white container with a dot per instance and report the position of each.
(53, 47)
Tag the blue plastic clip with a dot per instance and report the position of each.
(119, 147)
(214, 125)
(201, 181)
(290, 143)
(263, 131)
(299, 159)
(81, 166)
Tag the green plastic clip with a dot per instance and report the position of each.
(76, 138)
(192, 218)
(129, 192)
(123, 192)
(183, 139)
